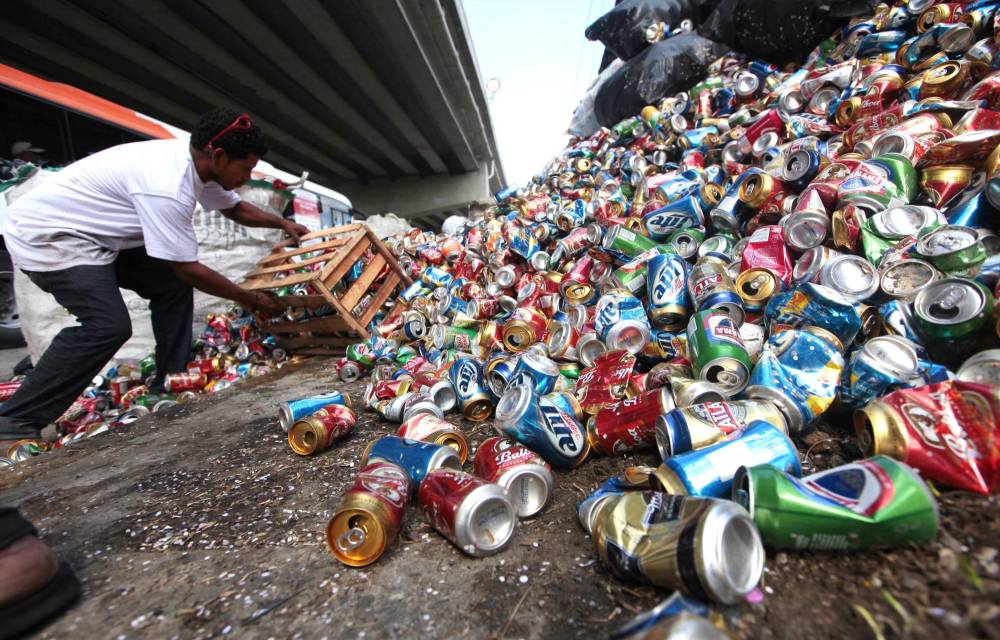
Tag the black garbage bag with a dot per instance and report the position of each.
(623, 29)
(663, 69)
(779, 31)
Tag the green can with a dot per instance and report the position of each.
(718, 244)
(569, 369)
(147, 366)
(405, 353)
(627, 242)
(449, 337)
(360, 353)
(876, 502)
(717, 352)
(952, 248)
(627, 128)
(685, 242)
(708, 84)
(902, 174)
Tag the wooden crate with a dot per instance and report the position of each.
(342, 247)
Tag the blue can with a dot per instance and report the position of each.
(535, 370)
(499, 371)
(682, 214)
(667, 291)
(435, 277)
(617, 310)
(523, 243)
(543, 425)
(896, 320)
(666, 345)
(727, 214)
(412, 291)
(724, 101)
(799, 371)
(451, 304)
(695, 137)
(292, 410)
(709, 472)
(505, 194)
(883, 42)
(676, 188)
(812, 304)
(877, 368)
(416, 457)
(466, 374)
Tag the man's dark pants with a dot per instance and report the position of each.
(78, 353)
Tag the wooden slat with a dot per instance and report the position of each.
(381, 296)
(333, 231)
(291, 266)
(360, 286)
(334, 272)
(329, 244)
(298, 278)
(324, 324)
(391, 259)
(344, 313)
(309, 302)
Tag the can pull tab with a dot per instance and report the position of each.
(947, 304)
(754, 285)
(351, 539)
(727, 378)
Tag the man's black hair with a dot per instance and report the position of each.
(238, 143)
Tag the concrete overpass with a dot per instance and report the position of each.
(378, 99)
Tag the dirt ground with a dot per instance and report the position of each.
(201, 522)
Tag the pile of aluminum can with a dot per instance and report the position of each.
(230, 348)
(709, 280)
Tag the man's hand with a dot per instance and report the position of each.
(295, 230)
(265, 302)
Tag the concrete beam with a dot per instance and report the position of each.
(415, 198)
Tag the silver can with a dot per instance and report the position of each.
(805, 229)
(588, 347)
(852, 276)
(894, 356)
(484, 519)
(907, 220)
(810, 264)
(688, 391)
(984, 368)
(906, 278)
(631, 335)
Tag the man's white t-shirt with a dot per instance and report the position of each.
(142, 193)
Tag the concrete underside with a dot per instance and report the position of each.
(200, 522)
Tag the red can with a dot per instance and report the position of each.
(475, 515)
(318, 432)
(369, 515)
(766, 249)
(604, 383)
(177, 382)
(522, 472)
(7, 389)
(949, 431)
(429, 428)
(629, 425)
(387, 389)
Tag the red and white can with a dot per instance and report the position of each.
(177, 382)
(369, 515)
(429, 428)
(8, 389)
(522, 472)
(629, 425)
(475, 515)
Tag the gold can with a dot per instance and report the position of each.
(756, 286)
(708, 548)
(932, 16)
(881, 431)
(848, 111)
(757, 188)
(944, 79)
(369, 515)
